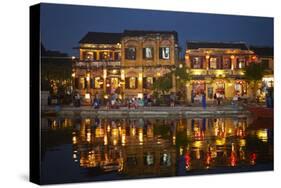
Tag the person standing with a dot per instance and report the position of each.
(192, 96)
(215, 98)
(172, 100)
(204, 104)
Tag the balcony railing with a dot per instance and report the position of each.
(95, 64)
(217, 73)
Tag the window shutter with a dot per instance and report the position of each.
(127, 81)
(136, 82)
(126, 53)
(94, 55)
(76, 83)
(144, 84)
(101, 85)
(101, 56)
(92, 83)
(85, 83)
(116, 56)
(143, 53)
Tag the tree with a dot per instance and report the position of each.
(164, 83)
(182, 77)
(253, 74)
(181, 74)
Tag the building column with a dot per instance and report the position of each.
(173, 82)
(104, 79)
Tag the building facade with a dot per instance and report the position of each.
(217, 68)
(125, 63)
(265, 56)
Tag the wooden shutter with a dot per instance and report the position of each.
(143, 53)
(160, 53)
(201, 62)
(127, 82)
(136, 82)
(92, 83)
(76, 83)
(85, 83)
(144, 84)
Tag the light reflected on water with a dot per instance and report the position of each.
(160, 147)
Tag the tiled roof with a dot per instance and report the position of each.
(148, 32)
(114, 38)
(223, 45)
(101, 38)
(263, 51)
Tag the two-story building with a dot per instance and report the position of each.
(97, 69)
(123, 63)
(265, 56)
(147, 55)
(217, 67)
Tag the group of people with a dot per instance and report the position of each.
(201, 98)
(218, 98)
(114, 102)
(76, 99)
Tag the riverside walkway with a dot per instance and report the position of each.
(146, 111)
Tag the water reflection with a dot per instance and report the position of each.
(162, 147)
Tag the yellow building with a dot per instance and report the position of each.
(217, 68)
(123, 63)
(266, 57)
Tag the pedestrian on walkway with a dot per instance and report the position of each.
(172, 100)
(204, 105)
(215, 98)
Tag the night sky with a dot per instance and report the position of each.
(63, 26)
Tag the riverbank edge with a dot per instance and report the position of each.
(146, 112)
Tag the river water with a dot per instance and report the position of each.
(93, 149)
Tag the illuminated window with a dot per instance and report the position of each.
(131, 83)
(87, 55)
(149, 159)
(240, 88)
(117, 55)
(220, 88)
(97, 83)
(213, 63)
(166, 159)
(82, 83)
(227, 63)
(130, 53)
(104, 55)
(241, 63)
(164, 53)
(114, 83)
(147, 53)
(197, 63)
(148, 82)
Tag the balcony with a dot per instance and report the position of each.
(219, 73)
(97, 64)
